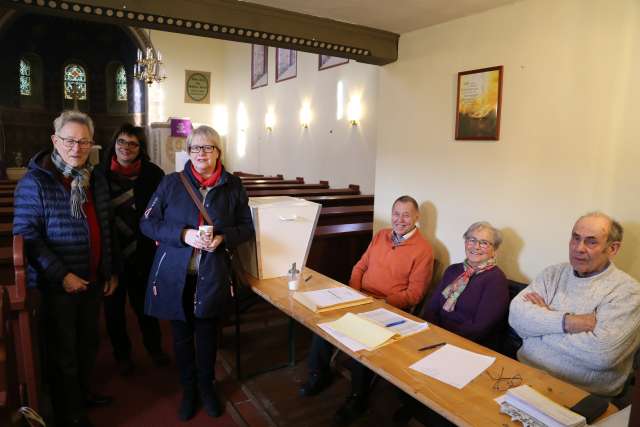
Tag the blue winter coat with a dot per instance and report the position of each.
(170, 211)
(55, 242)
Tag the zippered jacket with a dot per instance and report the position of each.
(170, 211)
(55, 242)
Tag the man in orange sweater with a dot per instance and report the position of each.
(396, 267)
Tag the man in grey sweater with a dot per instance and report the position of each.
(579, 320)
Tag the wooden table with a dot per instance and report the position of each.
(471, 406)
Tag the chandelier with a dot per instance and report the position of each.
(149, 67)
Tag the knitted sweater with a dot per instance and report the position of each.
(401, 275)
(598, 361)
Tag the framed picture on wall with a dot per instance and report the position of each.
(286, 64)
(258, 66)
(197, 87)
(479, 103)
(326, 61)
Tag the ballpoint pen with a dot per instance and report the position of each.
(431, 346)
(396, 323)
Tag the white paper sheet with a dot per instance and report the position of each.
(453, 365)
(351, 344)
(619, 419)
(383, 317)
(332, 296)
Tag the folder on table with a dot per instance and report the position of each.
(524, 402)
(364, 331)
(331, 298)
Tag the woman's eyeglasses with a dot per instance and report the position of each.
(125, 143)
(472, 241)
(204, 148)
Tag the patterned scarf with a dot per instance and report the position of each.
(455, 288)
(397, 240)
(79, 183)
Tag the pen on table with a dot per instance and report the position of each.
(308, 278)
(396, 323)
(431, 346)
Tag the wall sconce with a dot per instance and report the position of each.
(354, 110)
(242, 118)
(305, 115)
(269, 121)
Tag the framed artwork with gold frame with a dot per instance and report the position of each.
(479, 104)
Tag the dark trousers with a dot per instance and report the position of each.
(320, 359)
(134, 285)
(71, 338)
(195, 344)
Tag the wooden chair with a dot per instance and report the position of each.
(23, 312)
(9, 392)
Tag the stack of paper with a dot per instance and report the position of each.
(401, 325)
(453, 365)
(531, 408)
(331, 299)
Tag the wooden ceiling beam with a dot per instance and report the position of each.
(232, 20)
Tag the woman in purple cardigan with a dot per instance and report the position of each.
(471, 300)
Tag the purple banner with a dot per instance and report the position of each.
(180, 127)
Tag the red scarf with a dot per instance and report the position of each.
(211, 181)
(207, 182)
(130, 171)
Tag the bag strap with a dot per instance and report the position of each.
(196, 200)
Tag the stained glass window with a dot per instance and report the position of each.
(121, 84)
(75, 82)
(25, 77)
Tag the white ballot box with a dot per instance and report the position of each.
(284, 230)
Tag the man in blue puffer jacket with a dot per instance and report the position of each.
(62, 211)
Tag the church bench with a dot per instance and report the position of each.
(276, 185)
(6, 193)
(336, 248)
(342, 200)
(298, 180)
(345, 214)
(6, 233)
(6, 201)
(9, 391)
(6, 213)
(352, 189)
(263, 178)
(246, 174)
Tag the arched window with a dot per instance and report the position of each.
(25, 77)
(121, 84)
(75, 82)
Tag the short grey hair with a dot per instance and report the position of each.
(497, 234)
(206, 132)
(73, 116)
(616, 232)
(407, 199)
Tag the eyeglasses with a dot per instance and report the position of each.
(205, 148)
(505, 383)
(125, 143)
(471, 241)
(70, 142)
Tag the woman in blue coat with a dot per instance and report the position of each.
(189, 279)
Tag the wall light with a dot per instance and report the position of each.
(270, 120)
(354, 110)
(242, 117)
(305, 114)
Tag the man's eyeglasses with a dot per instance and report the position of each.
(205, 148)
(484, 244)
(125, 143)
(70, 142)
(502, 383)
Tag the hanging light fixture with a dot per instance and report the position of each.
(149, 67)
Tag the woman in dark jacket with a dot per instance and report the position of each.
(471, 300)
(189, 281)
(132, 180)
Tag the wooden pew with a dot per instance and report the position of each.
(341, 200)
(24, 306)
(345, 242)
(246, 174)
(263, 178)
(352, 189)
(343, 215)
(6, 214)
(6, 201)
(298, 180)
(278, 186)
(9, 391)
(6, 234)
(6, 193)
